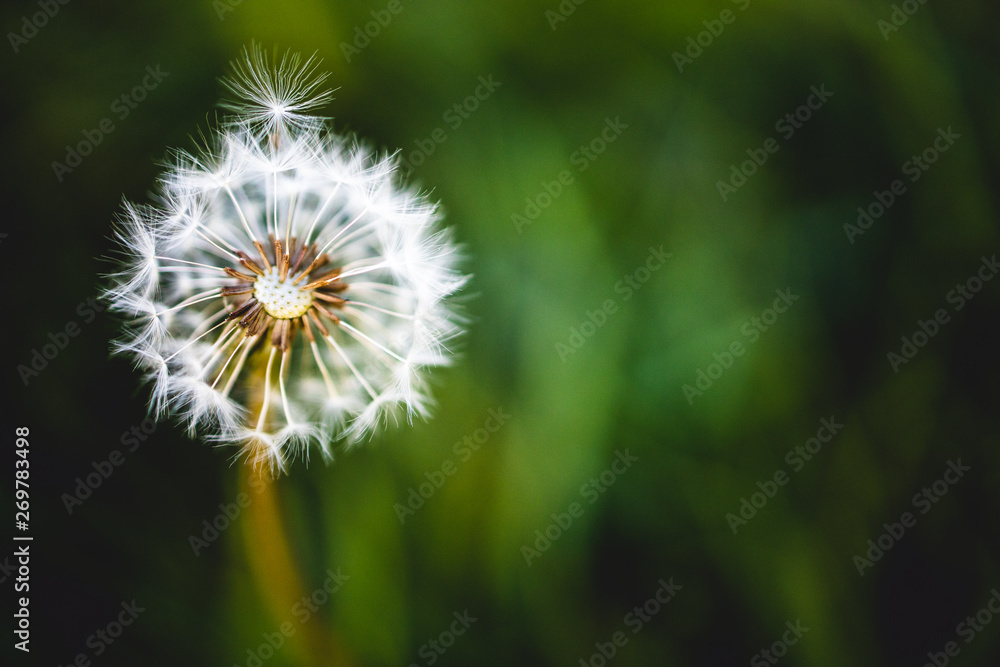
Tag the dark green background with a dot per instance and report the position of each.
(655, 185)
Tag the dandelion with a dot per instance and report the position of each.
(285, 291)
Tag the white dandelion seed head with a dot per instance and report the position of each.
(287, 291)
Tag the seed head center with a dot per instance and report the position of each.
(280, 298)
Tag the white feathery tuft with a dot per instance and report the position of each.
(223, 353)
(276, 94)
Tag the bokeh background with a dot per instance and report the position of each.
(536, 279)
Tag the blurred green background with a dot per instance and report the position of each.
(567, 74)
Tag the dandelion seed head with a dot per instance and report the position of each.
(287, 291)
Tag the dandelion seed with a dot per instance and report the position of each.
(287, 291)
